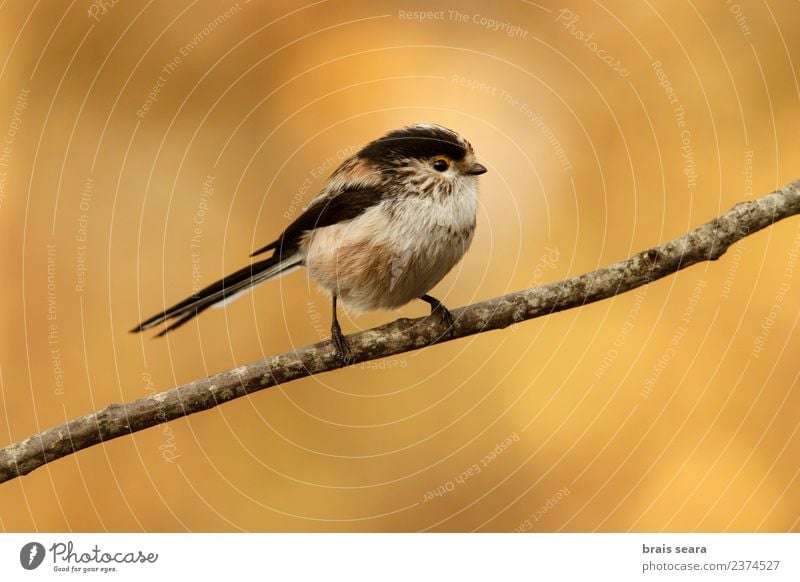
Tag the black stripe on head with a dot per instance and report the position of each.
(416, 141)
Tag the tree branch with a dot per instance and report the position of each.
(708, 242)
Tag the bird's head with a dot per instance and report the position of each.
(424, 155)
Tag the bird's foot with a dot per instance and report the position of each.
(447, 318)
(343, 352)
(443, 313)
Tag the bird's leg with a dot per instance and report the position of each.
(338, 339)
(444, 313)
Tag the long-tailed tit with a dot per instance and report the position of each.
(390, 223)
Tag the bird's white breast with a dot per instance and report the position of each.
(394, 252)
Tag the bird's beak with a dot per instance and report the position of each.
(476, 169)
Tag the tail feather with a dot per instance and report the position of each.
(221, 291)
(176, 324)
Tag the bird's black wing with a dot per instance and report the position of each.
(325, 211)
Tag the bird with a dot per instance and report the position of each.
(391, 221)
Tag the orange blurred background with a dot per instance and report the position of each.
(148, 149)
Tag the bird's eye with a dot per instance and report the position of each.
(440, 165)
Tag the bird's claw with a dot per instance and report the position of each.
(343, 351)
(446, 317)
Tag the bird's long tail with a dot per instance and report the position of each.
(222, 291)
